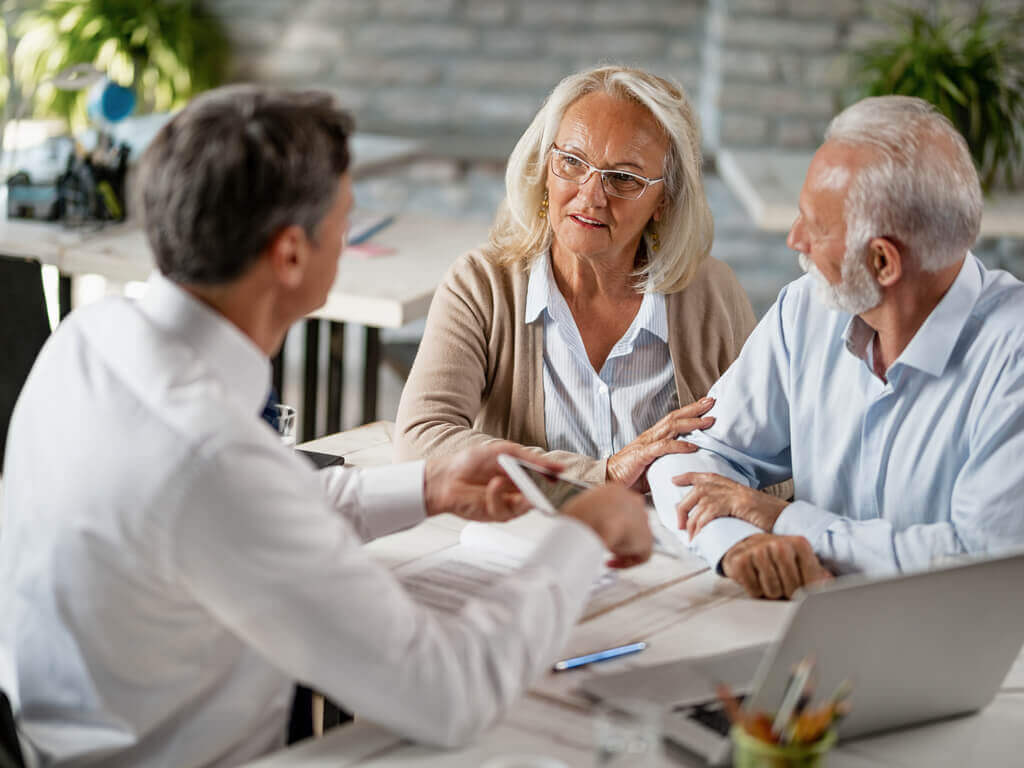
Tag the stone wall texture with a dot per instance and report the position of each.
(471, 67)
(765, 73)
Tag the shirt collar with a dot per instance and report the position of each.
(932, 345)
(652, 316)
(537, 288)
(233, 358)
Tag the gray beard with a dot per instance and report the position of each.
(855, 293)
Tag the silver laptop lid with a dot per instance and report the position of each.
(916, 647)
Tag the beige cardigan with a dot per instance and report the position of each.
(478, 374)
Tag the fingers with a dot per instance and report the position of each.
(695, 409)
(785, 558)
(627, 561)
(741, 570)
(811, 569)
(768, 576)
(702, 515)
(685, 508)
(501, 501)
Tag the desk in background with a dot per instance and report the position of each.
(382, 291)
(119, 252)
(695, 614)
(768, 184)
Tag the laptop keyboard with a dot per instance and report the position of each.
(710, 715)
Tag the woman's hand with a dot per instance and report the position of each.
(629, 465)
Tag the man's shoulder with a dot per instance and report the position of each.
(117, 353)
(998, 311)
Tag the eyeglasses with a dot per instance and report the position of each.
(624, 184)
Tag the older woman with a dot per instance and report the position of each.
(595, 311)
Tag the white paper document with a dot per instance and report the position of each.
(485, 553)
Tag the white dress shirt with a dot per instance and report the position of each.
(598, 413)
(169, 569)
(889, 475)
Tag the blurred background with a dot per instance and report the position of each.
(468, 75)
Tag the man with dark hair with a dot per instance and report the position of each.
(168, 568)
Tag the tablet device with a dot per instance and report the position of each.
(321, 460)
(547, 491)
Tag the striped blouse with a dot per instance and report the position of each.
(598, 413)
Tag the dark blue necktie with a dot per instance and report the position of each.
(270, 414)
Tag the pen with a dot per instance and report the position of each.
(589, 658)
(362, 237)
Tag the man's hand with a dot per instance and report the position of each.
(629, 465)
(773, 566)
(472, 485)
(619, 517)
(716, 496)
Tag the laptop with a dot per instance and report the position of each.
(916, 647)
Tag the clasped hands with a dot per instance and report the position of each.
(765, 564)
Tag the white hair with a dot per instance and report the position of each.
(686, 229)
(922, 191)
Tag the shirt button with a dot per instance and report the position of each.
(603, 389)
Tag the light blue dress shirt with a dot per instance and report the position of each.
(599, 413)
(889, 476)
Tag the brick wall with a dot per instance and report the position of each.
(475, 67)
(764, 72)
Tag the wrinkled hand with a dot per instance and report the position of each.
(772, 566)
(716, 496)
(629, 465)
(619, 516)
(472, 485)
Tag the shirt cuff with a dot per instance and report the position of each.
(800, 518)
(393, 496)
(719, 536)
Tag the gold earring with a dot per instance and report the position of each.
(543, 212)
(654, 240)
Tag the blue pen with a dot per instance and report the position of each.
(590, 658)
(362, 237)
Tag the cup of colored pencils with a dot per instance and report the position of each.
(797, 735)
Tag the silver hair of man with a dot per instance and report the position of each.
(922, 190)
(686, 229)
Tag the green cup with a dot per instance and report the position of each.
(748, 752)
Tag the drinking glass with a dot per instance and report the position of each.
(630, 736)
(286, 424)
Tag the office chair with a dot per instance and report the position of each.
(26, 326)
(10, 749)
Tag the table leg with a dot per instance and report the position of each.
(277, 372)
(311, 379)
(64, 295)
(335, 376)
(370, 374)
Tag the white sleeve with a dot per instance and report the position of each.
(749, 441)
(985, 511)
(259, 547)
(376, 500)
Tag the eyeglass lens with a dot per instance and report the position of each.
(618, 183)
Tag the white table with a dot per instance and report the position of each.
(687, 617)
(768, 184)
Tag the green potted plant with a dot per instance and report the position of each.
(165, 50)
(971, 68)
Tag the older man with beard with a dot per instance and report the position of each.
(889, 381)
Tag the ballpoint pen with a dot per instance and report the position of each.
(590, 658)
